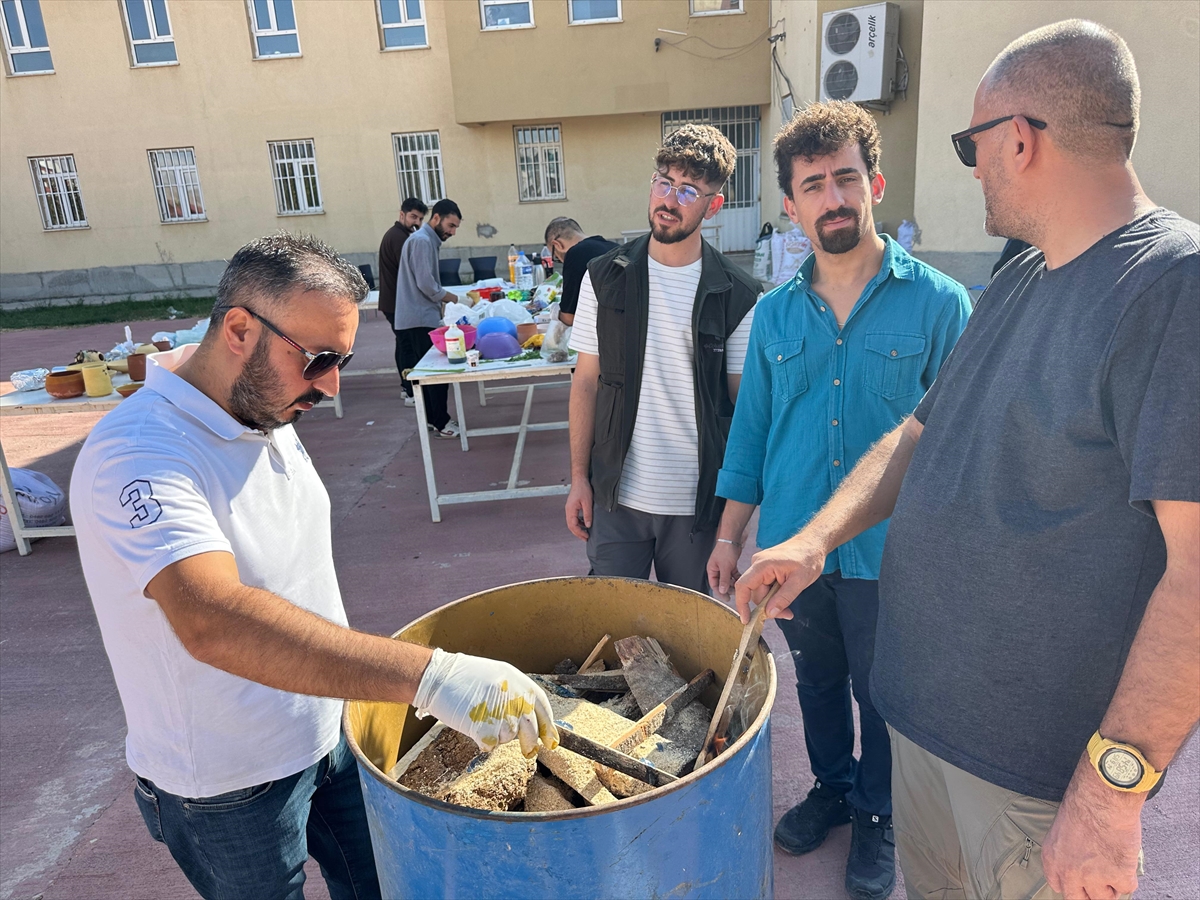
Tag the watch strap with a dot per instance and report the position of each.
(1099, 745)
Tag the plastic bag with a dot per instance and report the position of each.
(511, 310)
(908, 234)
(762, 252)
(794, 248)
(558, 336)
(168, 336)
(43, 504)
(456, 312)
(193, 335)
(123, 349)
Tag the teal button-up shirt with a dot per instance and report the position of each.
(814, 398)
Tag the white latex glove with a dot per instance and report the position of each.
(489, 701)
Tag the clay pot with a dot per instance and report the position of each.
(126, 389)
(137, 366)
(64, 385)
(526, 331)
(163, 346)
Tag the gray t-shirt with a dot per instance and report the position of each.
(1023, 548)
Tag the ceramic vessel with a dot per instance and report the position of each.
(137, 367)
(64, 385)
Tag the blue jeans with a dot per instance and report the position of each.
(832, 639)
(253, 842)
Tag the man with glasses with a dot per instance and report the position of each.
(204, 535)
(661, 332)
(1037, 656)
(573, 250)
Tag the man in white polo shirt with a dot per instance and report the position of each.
(204, 533)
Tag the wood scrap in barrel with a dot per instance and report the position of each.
(547, 795)
(594, 656)
(448, 766)
(566, 667)
(603, 682)
(652, 679)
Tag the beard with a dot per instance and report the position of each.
(1002, 217)
(844, 239)
(674, 234)
(256, 399)
(443, 236)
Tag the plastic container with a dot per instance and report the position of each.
(438, 336)
(512, 263)
(524, 279)
(456, 346)
(707, 835)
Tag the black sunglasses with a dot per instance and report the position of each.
(318, 363)
(965, 147)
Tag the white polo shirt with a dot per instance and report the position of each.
(166, 475)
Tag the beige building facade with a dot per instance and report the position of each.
(119, 178)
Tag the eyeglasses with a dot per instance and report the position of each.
(318, 363)
(686, 194)
(965, 147)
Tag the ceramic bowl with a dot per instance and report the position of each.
(64, 385)
(126, 389)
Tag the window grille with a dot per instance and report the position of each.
(274, 25)
(25, 46)
(149, 30)
(581, 12)
(741, 125)
(297, 190)
(419, 166)
(56, 184)
(539, 163)
(177, 185)
(402, 24)
(497, 14)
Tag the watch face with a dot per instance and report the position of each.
(1121, 767)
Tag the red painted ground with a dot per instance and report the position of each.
(68, 824)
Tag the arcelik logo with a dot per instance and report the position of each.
(139, 496)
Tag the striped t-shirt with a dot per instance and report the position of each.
(663, 464)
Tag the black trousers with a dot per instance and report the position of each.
(411, 345)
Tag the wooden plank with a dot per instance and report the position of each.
(591, 658)
(652, 679)
(663, 713)
(604, 682)
(614, 759)
(577, 772)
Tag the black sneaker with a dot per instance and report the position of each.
(871, 868)
(804, 828)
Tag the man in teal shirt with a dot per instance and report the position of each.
(838, 357)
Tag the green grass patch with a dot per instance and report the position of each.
(189, 309)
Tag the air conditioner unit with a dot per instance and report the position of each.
(858, 53)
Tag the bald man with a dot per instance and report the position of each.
(1037, 654)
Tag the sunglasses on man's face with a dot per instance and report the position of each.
(685, 194)
(318, 363)
(964, 146)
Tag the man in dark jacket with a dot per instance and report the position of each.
(574, 250)
(661, 331)
(412, 214)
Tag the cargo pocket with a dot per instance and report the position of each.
(789, 378)
(1009, 862)
(894, 363)
(147, 804)
(608, 415)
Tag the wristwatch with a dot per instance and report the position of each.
(1122, 765)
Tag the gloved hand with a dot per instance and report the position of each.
(489, 701)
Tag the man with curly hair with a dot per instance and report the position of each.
(838, 357)
(661, 331)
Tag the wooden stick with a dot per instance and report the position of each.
(595, 653)
(737, 674)
(663, 713)
(613, 759)
(605, 682)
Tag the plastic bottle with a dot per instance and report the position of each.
(456, 345)
(547, 260)
(524, 267)
(512, 263)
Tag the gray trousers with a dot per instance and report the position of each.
(623, 543)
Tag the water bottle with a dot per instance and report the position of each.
(524, 273)
(456, 345)
(512, 263)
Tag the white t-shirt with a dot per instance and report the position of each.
(166, 475)
(662, 466)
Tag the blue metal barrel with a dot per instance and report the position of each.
(708, 835)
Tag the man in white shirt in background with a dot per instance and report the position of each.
(205, 537)
(661, 331)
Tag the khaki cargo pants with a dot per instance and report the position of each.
(961, 837)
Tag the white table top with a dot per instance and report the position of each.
(460, 290)
(434, 368)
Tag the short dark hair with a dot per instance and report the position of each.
(822, 129)
(445, 208)
(266, 270)
(701, 151)
(414, 204)
(562, 227)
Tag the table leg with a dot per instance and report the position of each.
(9, 497)
(482, 394)
(462, 417)
(426, 456)
(524, 429)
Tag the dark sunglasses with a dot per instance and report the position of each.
(318, 363)
(965, 147)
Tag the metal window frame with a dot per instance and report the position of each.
(185, 190)
(297, 178)
(256, 32)
(61, 196)
(484, 26)
(405, 22)
(746, 181)
(571, 20)
(423, 155)
(715, 12)
(156, 39)
(10, 51)
(540, 164)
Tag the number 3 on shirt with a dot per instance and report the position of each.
(139, 496)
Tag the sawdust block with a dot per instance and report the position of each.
(544, 795)
(451, 768)
(651, 679)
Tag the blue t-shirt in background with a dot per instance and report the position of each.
(814, 398)
(1023, 548)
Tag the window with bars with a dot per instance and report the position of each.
(539, 163)
(26, 49)
(715, 7)
(177, 185)
(402, 24)
(741, 125)
(273, 23)
(497, 14)
(419, 166)
(585, 12)
(56, 184)
(149, 30)
(294, 165)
